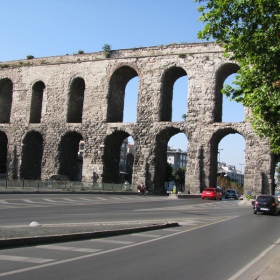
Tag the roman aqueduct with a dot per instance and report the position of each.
(47, 105)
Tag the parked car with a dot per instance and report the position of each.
(231, 194)
(266, 204)
(211, 193)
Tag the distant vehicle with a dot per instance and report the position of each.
(241, 197)
(231, 194)
(211, 193)
(266, 204)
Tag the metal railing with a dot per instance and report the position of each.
(63, 185)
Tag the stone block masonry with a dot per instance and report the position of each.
(48, 105)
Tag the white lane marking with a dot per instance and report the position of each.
(69, 199)
(172, 229)
(87, 199)
(34, 202)
(24, 259)
(117, 198)
(29, 201)
(100, 198)
(146, 235)
(50, 200)
(65, 248)
(57, 202)
(112, 241)
(241, 271)
(112, 250)
(4, 202)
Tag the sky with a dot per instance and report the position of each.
(45, 28)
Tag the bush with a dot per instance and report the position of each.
(107, 50)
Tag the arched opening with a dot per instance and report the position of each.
(115, 158)
(36, 102)
(227, 162)
(177, 162)
(76, 101)
(180, 100)
(130, 100)
(68, 155)
(6, 97)
(232, 110)
(165, 153)
(31, 159)
(116, 95)
(167, 91)
(221, 75)
(3, 154)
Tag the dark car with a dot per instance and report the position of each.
(266, 204)
(231, 194)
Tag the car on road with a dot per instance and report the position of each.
(211, 193)
(231, 194)
(266, 204)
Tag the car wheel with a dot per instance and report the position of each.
(255, 212)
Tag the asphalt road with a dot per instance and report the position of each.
(216, 239)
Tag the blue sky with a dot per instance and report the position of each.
(58, 27)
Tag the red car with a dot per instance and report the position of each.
(212, 193)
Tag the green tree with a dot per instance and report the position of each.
(223, 182)
(169, 172)
(250, 33)
(179, 177)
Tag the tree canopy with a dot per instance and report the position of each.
(249, 31)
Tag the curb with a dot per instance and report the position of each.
(35, 240)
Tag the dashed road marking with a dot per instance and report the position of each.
(146, 235)
(24, 259)
(4, 202)
(65, 248)
(112, 241)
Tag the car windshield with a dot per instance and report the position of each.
(231, 191)
(209, 190)
(265, 199)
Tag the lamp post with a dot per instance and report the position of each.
(219, 155)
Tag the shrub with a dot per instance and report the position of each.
(107, 50)
(29, 56)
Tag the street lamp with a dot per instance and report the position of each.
(219, 155)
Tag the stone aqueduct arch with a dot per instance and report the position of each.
(47, 105)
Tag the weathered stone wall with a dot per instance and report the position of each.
(102, 91)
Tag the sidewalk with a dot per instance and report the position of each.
(37, 234)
